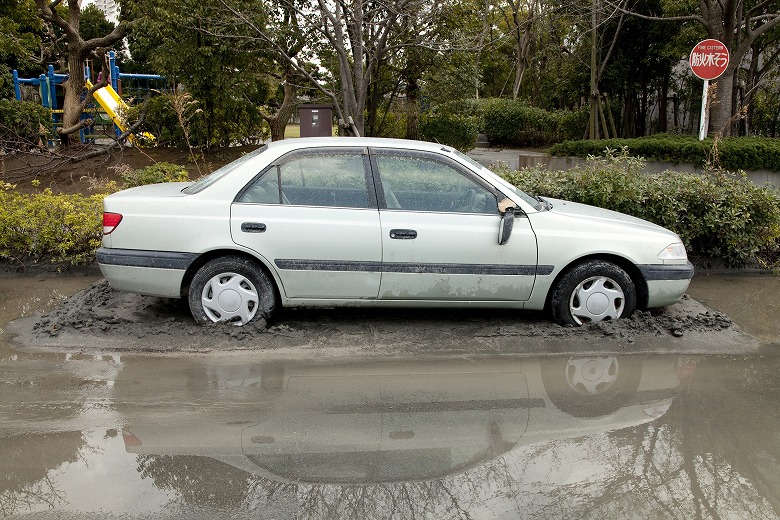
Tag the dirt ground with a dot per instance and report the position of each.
(60, 173)
(99, 319)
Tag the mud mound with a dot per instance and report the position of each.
(101, 318)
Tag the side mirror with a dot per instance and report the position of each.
(507, 222)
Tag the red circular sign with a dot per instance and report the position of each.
(709, 59)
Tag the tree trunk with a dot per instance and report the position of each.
(74, 88)
(720, 106)
(278, 122)
(663, 106)
(412, 110)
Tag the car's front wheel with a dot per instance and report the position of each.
(593, 291)
(231, 289)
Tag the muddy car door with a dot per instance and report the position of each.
(313, 215)
(440, 233)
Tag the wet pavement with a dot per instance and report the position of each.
(106, 434)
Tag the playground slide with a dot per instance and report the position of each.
(112, 104)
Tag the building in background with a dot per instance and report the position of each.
(109, 7)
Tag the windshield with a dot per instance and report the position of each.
(214, 176)
(531, 201)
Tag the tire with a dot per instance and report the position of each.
(593, 291)
(231, 289)
(591, 386)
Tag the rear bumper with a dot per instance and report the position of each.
(153, 273)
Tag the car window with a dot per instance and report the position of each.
(417, 183)
(214, 176)
(337, 180)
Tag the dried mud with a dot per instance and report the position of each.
(99, 318)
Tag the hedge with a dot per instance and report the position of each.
(23, 125)
(729, 153)
(716, 216)
(506, 122)
(63, 228)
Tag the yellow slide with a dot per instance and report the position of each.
(112, 104)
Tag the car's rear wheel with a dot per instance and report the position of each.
(231, 289)
(593, 291)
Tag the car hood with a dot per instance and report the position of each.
(592, 213)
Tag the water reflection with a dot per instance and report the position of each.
(397, 422)
(564, 437)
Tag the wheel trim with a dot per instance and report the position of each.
(230, 297)
(595, 299)
(592, 376)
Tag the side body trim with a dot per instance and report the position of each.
(414, 268)
(140, 258)
(667, 272)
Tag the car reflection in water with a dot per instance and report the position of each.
(396, 422)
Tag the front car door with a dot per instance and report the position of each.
(440, 226)
(313, 215)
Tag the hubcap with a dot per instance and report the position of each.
(595, 299)
(591, 376)
(230, 297)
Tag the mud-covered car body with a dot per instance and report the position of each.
(364, 221)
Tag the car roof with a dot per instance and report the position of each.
(352, 142)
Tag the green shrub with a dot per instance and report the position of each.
(730, 153)
(65, 228)
(514, 123)
(158, 172)
(715, 215)
(454, 130)
(23, 125)
(392, 125)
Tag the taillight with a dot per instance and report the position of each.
(110, 222)
(130, 439)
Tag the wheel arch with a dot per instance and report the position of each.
(208, 256)
(640, 283)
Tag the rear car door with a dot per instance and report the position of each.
(440, 225)
(313, 215)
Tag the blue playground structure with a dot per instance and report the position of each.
(108, 97)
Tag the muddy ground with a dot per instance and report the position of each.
(100, 319)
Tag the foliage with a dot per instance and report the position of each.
(23, 125)
(156, 173)
(63, 227)
(20, 39)
(733, 153)
(93, 23)
(716, 216)
(517, 124)
(458, 131)
(226, 76)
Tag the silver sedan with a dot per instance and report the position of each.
(378, 222)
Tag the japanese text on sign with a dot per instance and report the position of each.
(713, 59)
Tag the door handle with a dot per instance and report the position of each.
(253, 227)
(403, 234)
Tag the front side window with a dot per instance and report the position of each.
(418, 183)
(317, 179)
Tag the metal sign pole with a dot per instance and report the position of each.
(704, 112)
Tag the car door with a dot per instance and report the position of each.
(313, 215)
(440, 227)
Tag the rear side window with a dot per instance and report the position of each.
(205, 182)
(317, 179)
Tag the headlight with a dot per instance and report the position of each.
(674, 251)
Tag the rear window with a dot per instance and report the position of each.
(205, 182)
